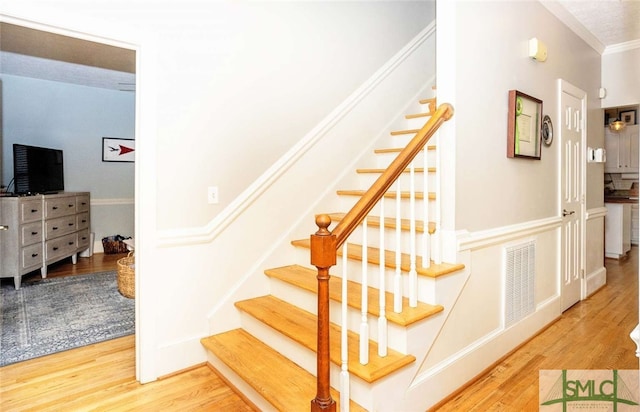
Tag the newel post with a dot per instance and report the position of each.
(323, 256)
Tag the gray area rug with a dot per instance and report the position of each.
(57, 314)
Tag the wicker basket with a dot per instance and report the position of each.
(126, 276)
(113, 245)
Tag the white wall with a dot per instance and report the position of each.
(75, 119)
(225, 89)
(492, 61)
(620, 77)
(500, 201)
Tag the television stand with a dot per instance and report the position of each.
(42, 229)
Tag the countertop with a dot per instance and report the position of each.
(620, 199)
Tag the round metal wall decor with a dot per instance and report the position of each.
(547, 130)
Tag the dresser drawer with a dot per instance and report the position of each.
(82, 221)
(83, 238)
(30, 211)
(31, 256)
(82, 203)
(62, 246)
(59, 207)
(30, 233)
(60, 226)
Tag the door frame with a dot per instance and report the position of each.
(59, 23)
(566, 87)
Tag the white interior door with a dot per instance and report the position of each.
(572, 135)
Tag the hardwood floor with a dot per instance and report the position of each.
(102, 376)
(593, 334)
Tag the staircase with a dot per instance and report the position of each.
(272, 358)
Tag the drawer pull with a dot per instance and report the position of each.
(55, 208)
(55, 248)
(70, 243)
(70, 224)
(34, 210)
(84, 221)
(34, 233)
(54, 228)
(70, 205)
(34, 255)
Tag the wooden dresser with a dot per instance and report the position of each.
(42, 229)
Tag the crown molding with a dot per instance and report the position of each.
(572, 23)
(622, 47)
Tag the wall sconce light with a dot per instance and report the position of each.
(537, 50)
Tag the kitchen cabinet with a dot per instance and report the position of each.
(617, 230)
(622, 150)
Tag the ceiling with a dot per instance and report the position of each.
(607, 25)
(49, 56)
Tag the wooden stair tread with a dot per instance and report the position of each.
(389, 222)
(287, 388)
(418, 115)
(402, 132)
(388, 195)
(301, 326)
(305, 278)
(398, 149)
(416, 170)
(354, 251)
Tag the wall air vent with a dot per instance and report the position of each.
(520, 270)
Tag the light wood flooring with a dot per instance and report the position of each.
(593, 334)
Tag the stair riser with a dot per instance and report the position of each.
(307, 301)
(360, 391)
(367, 179)
(373, 239)
(383, 160)
(346, 202)
(426, 285)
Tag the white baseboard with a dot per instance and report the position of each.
(595, 280)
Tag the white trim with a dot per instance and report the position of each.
(596, 213)
(622, 47)
(572, 23)
(486, 238)
(208, 232)
(112, 202)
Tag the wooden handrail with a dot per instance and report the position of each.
(366, 203)
(325, 244)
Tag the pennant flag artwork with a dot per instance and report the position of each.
(118, 150)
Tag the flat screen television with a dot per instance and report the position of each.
(37, 170)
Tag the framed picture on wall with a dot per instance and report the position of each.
(628, 116)
(524, 125)
(118, 150)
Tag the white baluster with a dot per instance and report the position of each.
(426, 239)
(364, 326)
(413, 274)
(397, 279)
(436, 251)
(635, 336)
(344, 352)
(382, 319)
